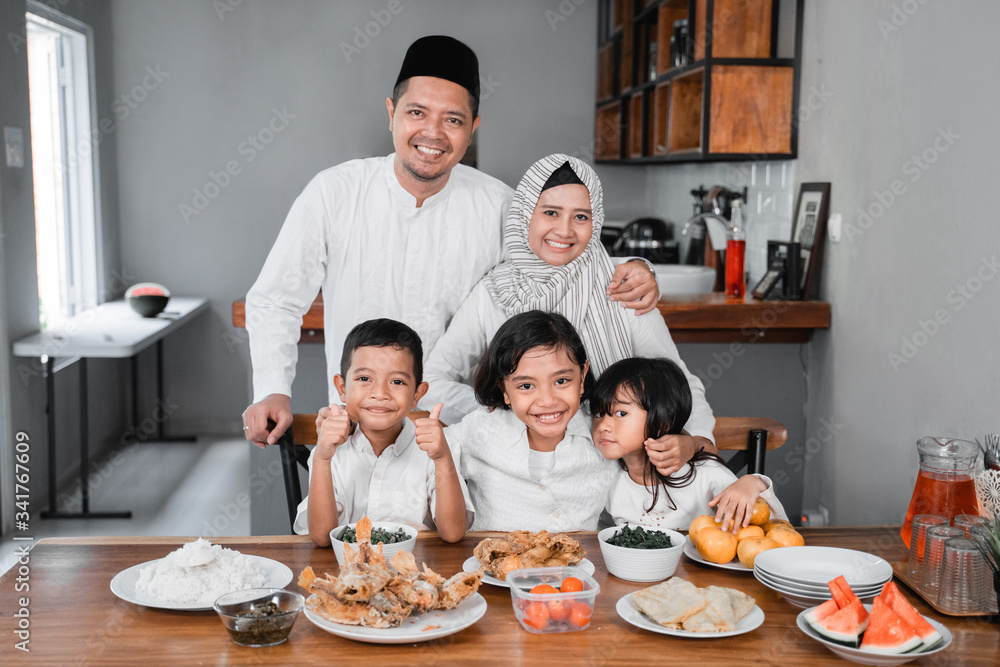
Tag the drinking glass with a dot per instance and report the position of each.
(921, 523)
(934, 540)
(963, 578)
(966, 521)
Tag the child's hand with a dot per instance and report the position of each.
(332, 428)
(669, 452)
(430, 435)
(735, 503)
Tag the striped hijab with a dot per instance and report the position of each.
(576, 290)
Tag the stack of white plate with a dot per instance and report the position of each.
(801, 574)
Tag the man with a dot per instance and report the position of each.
(406, 236)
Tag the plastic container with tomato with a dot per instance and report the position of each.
(553, 599)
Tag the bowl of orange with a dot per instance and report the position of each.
(645, 559)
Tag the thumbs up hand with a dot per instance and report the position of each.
(333, 426)
(430, 435)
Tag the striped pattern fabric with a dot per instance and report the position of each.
(576, 290)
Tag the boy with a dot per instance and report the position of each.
(389, 468)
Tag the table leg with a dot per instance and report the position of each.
(159, 401)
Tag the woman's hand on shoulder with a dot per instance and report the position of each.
(634, 285)
(670, 452)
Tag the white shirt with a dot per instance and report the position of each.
(627, 500)
(570, 496)
(355, 232)
(453, 361)
(398, 486)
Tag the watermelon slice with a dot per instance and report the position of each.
(888, 633)
(845, 625)
(842, 592)
(817, 614)
(899, 604)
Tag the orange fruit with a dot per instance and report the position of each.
(716, 545)
(761, 512)
(767, 526)
(751, 546)
(786, 536)
(701, 522)
(749, 531)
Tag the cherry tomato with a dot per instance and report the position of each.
(537, 615)
(543, 588)
(559, 610)
(571, 585)
(580, 614)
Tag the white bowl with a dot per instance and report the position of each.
(641, 564)
(387, 549)
(867, 657)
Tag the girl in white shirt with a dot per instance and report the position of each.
(636, 399)
(527, 457)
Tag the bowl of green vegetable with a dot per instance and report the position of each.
(639, 553)
(393, 536)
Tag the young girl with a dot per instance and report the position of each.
(557, 263)
(636, 399)
(527, 456)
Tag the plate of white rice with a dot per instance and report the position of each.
(194, 576)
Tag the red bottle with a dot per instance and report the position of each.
(736, 285)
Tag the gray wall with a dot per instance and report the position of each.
(19, 301)
(898, 83)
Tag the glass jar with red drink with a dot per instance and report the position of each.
(945, 484)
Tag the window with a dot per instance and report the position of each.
(64, 164)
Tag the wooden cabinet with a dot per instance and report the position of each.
(697, 80)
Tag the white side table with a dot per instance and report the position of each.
(110, 331)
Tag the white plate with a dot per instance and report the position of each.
(627, 610)
(449, 621)
(691, 551)
(866, 658)
(276, 575)
(804, 601)
(472, 564)
(824, 594)
(818, 565)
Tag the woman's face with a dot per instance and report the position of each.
(562, 224)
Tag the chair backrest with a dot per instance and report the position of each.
(751, 436)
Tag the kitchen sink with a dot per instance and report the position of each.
(684, 279)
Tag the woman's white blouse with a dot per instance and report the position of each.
(627, 500)
(494, 451)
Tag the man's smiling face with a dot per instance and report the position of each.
(432, 127)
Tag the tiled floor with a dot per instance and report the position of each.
(174, 488)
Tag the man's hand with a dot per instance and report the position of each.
(669, 452)
(430, 435)
(277, 408)
(333, 426)
(736, 502)
(634, 285)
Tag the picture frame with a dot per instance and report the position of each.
(768, 283)
(812, 210)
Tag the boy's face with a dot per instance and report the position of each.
(380, 389)
(561, 224)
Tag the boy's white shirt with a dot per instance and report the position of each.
(494, 449)
(452, 362)
(627, 500)
(398, 486)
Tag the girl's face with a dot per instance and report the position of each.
(622, 431)
(544, 392)
(562, 224)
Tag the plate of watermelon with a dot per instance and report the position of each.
(890, 631)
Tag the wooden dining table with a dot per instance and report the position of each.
(75, 619)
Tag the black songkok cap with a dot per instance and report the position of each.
(564, 175)
(442, 57)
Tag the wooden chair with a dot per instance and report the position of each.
(751, 437)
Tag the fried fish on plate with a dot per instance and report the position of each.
(371, 593)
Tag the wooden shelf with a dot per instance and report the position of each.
(733, 97)
(694, 318)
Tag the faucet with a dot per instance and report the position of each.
(716, 226)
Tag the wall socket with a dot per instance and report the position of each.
(819, 516)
